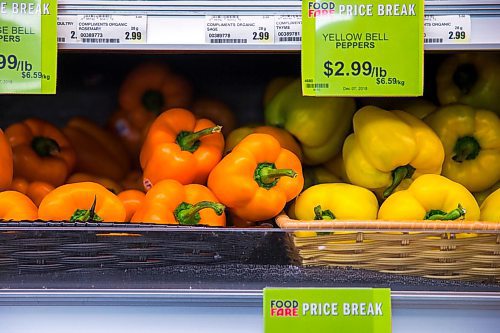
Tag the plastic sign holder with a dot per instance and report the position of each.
(362, 48)
(351, 310)
(28, 46)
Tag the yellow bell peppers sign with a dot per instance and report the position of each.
(28, 51)
(344, 310)
(362, 47)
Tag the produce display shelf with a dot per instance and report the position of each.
(219, 311)
(181, 25)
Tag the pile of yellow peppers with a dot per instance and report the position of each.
(175, 161)
(419, 161)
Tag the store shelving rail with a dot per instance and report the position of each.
(181, 25)
(219, 311)
(60, 277)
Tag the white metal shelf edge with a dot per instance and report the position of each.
(219, 312)
(187, 33)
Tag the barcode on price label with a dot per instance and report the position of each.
(317, 85)
(229, 41)
(290, 39)
(101, 40)
(433, 40)
(447, 29)
(112, 29)
(239, 29)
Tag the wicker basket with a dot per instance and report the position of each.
(441, 250)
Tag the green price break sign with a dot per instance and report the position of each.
(362, 47)
(362, 310)
(28, 46)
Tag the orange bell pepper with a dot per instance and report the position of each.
(6, 166)
(97, 152)
(131, 200)
(15, 206)
(181, 147)
(20, 185)
(170, 202)
(147, 91)
(36, 190)
(133, 181)
(82, 202)
(81, 177)
(238, 222)
(257, 178)
(40, 152)
(285, 139)
(217, 112)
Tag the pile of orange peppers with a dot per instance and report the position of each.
(166, 158)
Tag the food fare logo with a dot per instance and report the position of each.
(284, 308)
(292, 308)
(320, 8)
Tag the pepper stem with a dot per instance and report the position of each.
(190, 141)
(320, 214)
(188, 214)
(44, 146)
(436, 214)
(86, 215)
(153, 101)
(466, 148)
(465, 77)
(267, 176)
(398, 175)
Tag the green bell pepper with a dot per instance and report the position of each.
(472, 79)
(320, 124)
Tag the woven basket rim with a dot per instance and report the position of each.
(289, 224)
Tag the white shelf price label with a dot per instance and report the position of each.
(112, 29)
(288, 29)
(239, 29)
(447, 29)
(67, 29)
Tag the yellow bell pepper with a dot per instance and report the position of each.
(490, 209)
(431, 197)
(471, 140)
(389, 146)
(337, 167)
(417, 106)
(336, 201)
(319, 175)
(481, 196)
(470, 78)
(404, 185)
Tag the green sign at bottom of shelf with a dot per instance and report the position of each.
(327, 310)
(28, 52)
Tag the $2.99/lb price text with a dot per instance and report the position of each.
(357, 68)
